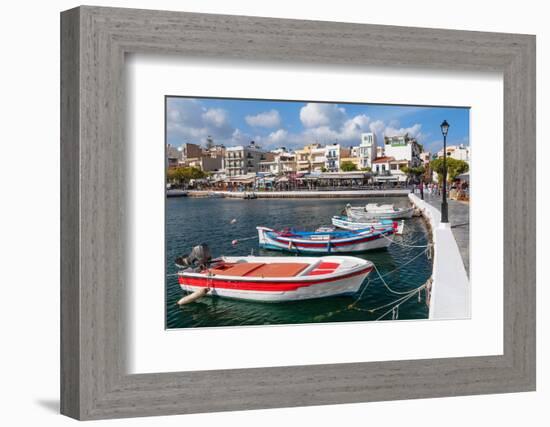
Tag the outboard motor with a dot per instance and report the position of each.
(200, 256)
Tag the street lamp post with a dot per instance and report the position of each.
(444, 208)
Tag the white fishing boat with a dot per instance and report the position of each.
(325, 242)
(373, 211)
(347, 223)
(276, 279)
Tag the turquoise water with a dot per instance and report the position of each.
(190, 221)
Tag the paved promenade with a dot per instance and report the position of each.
(459, 217)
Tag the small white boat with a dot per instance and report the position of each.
(373, 211)
(176, 192)
(347, 223)
(277, 279)
(215, 195)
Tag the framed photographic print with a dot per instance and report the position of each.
(302, 209)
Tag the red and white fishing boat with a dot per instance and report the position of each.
(276, 279)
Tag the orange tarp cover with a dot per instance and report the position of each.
(279, 269)
(259, 269)
(238, 269)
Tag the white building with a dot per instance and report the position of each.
(332, 155)
(367, 150)
(388, 169)
(403, 147)
(458, 152)
(242, 160)
(318, 159)
(279, 162)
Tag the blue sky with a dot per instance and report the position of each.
(293, 124)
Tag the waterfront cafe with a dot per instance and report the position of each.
(336, 179)
(240, 182)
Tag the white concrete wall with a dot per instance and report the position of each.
(451, 291)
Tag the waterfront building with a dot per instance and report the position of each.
(208, 160)
(380, 151)
(242, 160)
(333, 155)
(304, 158)
(278, 162)
(317, 159)
(367, 150)
(173, 156)
(351, 159)
(388, 169)
(190, 152)
(403, 147)
(205, 163)
(425, 158)
(458, 152)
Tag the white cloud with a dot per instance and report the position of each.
(215, 117)
(352, 128)
(380, 129)
(315, 114)
(413, 131)
(268, 119)
(189, 121)
(278, 137)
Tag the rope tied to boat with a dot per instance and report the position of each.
(237, 241)
(404, 245)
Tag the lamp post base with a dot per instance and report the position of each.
(444, 212)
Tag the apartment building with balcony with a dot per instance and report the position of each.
(333, 155)
(403, 147)
(304, 158)
(242, 160)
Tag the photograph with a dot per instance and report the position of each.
(286, 212)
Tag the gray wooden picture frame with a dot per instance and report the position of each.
(94, 42)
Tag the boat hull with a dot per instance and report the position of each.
(278, 289)
(347, 224)
(268, 239)
(360, 214)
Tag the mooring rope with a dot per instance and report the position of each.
(405, 245)
(403, 265)
(395, 309)
(236, 241)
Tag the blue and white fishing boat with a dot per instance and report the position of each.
(328, 242)
(347, 223)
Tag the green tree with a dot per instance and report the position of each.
(454, 168)
(348, 166)
(367, 169)
(323, 169)
(181, 175)
(413, 172)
